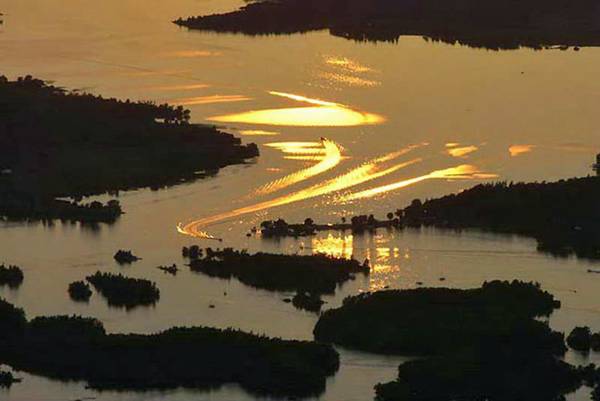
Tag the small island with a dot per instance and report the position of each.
(125, 257)
(121, 291)
(317, 274)
(77, 348)
(308, 275)
(79, 291)
(53, 142)
(11, 276)
(489, 23)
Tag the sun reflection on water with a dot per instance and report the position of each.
(464, 171)
(361, 174)
(329, 155)
(334, 246)
(320, 114)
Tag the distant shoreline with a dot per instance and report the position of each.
(487, 24)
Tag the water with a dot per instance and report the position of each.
(396, 112)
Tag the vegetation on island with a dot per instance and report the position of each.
(172, 269)
(125, 257)
(477, 344)
(314, 274)
(563, 216)
(121, 291)
(357, 224)
(428, 321)
(307, 301)
(6, 378)
(56, 143)
(77, 348)
(192, 252)
(79, 291)
(582, 339)
(11, 276)
(489, 23)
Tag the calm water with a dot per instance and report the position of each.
(404, 120)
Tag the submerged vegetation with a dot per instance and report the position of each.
(315, 274)
(76, 348)
(11, 276)
(476, 344)
(123, 291)
(563, 216)
(51, 139)
(488, 23)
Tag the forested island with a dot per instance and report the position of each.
(77, 348)
(477, 344)
(563, 216)
(492, 24)
(66, 144)
(310, 276)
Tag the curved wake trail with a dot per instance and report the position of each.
(366, 172)
(332, 157)
(463, 171)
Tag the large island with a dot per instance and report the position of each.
(55, 143)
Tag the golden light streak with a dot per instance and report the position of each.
(194, 53)
(349, 80)
(461, 151)
(366, 172)
(516, 150)
(210, 99)
(304, 99)
(258, 132)
(181, 87)
(464, 171)
(329, 152)
(321, 114)
(347, 64)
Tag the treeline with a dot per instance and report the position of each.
(56, 143)
(479, 344)
(77, 348)
(495, 24)
(563, 216)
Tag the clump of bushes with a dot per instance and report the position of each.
(581, 339)
(7, 379)
(307, 301)
(125, 257)
(193, 252)
(11, 276)
(79, 291)
(123, 291)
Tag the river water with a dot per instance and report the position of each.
(401, 120)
